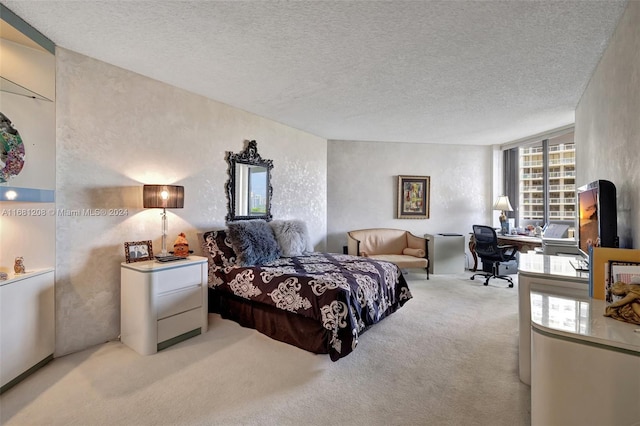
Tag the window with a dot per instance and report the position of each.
(541, 177)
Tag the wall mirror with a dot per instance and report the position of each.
(248, 186)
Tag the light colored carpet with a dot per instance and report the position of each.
(448, 357)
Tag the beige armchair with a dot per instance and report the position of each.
(393, 245)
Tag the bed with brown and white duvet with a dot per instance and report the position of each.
(320, 302)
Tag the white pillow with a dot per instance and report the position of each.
(292, 236)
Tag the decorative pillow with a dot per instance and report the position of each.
(292, 236)
(413, 252)
(253, 241)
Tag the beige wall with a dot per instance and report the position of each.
(362, 187)
(117, 130)
(608, 124)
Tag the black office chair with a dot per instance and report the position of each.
(491, 253)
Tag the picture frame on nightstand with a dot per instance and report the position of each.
(138, 251)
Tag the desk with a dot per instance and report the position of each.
(523, 243)
(551, 274)
(586, 367)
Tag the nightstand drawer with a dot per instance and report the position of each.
(176, 325)
(177, 278)
(175, 302)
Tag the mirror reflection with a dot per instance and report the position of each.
(249, 185)
(251, 190)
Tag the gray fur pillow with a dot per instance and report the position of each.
(253, 241)
(292, 236)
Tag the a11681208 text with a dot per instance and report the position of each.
(35, 212)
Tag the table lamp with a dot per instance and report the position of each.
(503, 204)
(164, 197)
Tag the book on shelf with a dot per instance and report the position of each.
(606, 265)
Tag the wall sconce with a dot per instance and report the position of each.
(503, 204)
(163, 197)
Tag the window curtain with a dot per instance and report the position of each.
(511, 181)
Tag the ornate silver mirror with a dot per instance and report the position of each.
(248, 187)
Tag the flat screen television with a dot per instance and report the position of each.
(598, 219)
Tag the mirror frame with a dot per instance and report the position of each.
(251, 157)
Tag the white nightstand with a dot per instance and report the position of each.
(162, 303)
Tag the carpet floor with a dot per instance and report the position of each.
(448, 357)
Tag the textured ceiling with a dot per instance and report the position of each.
(467, 72)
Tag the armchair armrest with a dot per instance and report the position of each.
(415, 242)
(353, 246)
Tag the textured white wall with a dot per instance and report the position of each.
(362, 187)
(117, 130)
(608, 124)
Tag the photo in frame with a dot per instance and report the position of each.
(619, 271)
(138, 251)
(413, 197)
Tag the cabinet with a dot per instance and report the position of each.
(551, 274)
(162, 303)
(27, 319)
(585, 367)
(446, 253)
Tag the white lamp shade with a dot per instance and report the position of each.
(502, 203)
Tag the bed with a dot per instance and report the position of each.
(320, 302)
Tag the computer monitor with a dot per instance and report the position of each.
(598, 221)
(555, 230)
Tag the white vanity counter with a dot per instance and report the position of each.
(550, 274)
(585, 367)
(544, 266)
(582, 319)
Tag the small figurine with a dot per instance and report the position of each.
(628, 307)
(3, 276)
(18, 267)
(538, 231)
(181, 246)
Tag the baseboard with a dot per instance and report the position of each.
(24, 375)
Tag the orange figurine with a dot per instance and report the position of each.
(181, 246)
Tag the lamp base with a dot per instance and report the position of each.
(504, 228)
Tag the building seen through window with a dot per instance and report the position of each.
(541, 177)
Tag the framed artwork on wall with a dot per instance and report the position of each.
(413, 197)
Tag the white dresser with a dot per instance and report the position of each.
(27, 324)
(163, 303)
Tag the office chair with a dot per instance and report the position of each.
(490, 252)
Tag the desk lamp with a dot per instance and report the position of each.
(503, 204)
(164, 197)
